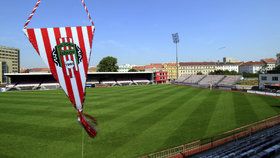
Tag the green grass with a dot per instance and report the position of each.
(133, 121)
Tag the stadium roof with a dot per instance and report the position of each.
(22, 74)
(47, 73)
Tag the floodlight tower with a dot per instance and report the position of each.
(175, 37)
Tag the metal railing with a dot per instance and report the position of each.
(209, 143)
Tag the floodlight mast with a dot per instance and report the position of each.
(175, 37)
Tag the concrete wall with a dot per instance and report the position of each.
(267, 79)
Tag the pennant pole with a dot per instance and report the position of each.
(88, 14)
(82, 143)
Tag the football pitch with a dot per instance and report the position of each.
(132, 121)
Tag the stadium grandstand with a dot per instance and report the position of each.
(207, 81)
(262, 144)
(45, 81)
(258, 140)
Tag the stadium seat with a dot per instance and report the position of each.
(262, 144)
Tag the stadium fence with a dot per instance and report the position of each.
(210, 143)
(264, 93)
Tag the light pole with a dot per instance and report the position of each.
(175, 37)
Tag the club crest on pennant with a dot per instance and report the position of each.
(67, 54)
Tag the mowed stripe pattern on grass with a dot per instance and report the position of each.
(133, 121)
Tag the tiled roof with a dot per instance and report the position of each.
(253, 63)
(237, 63)
(196, 63)
(153, 66)
(170, 64)
(92, 69)
(139, 68)
(39, 70)
(269, 60)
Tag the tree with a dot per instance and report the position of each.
(276, 70)
(199, 73)
(223, 72)
(108, 64)
(132, 70)
(263, 69)
(250, 75)
(217, 72)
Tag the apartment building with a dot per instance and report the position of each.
(9, 62)
(251, 67)
(155, 67)
(193, 68)
(270, 63)
(125, 67)
(269, 80)
(228, 66)
(171, 70)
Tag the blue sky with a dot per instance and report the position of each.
(139, 31)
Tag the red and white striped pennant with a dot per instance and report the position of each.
(66, 51)
(72, 78)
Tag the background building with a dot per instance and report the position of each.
(139, 68)
(160, 77)
(228, 66)
(171, 70)
(194, 68)
(9, 62)
(270, 63)
(269, 80)
(38, 70)
(92, 69)
(154, 67)
(2, 77)
(125, 67)
(278, 59)
(230, 60)
(251, 67)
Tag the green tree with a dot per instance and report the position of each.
(108, 64)
(199, 73)
(276, 70)
(221, 72)
(217, 72)
(263, 69)
(132, 70)
(250, 75)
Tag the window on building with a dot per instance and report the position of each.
(263, 78)
(274, 78)
(4, 70)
